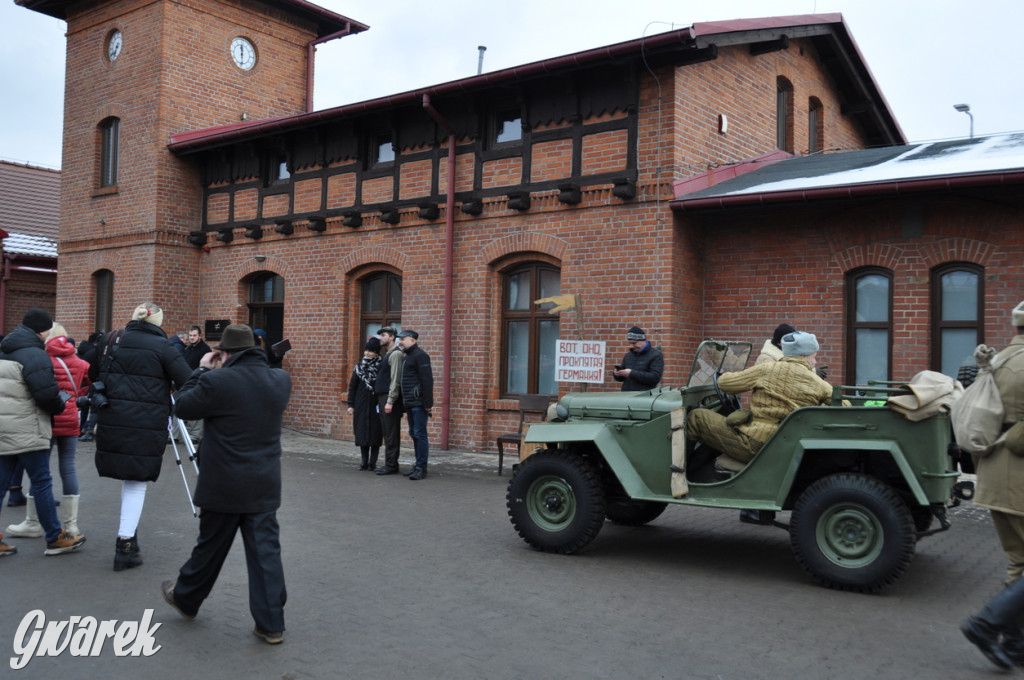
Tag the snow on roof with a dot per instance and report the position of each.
(36, 246)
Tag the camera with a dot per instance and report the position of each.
(97, 397)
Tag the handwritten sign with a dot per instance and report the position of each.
(579, 361)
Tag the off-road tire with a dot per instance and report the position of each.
(852, 532)
(555, 501)
(631, 513)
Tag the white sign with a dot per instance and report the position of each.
(579, 361)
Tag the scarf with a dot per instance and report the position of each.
(367, 369)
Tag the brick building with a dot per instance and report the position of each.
(194, 175)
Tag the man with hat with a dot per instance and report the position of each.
(417, 388)
(389, 401)
(643, 364)
(996, 631)
(29, 397)
(239, 488)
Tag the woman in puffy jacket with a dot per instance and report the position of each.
(137, 372)
(71, 373)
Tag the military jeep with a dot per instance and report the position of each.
(863, 483)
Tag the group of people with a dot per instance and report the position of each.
(392, 377)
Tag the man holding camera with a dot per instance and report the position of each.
(239, 486)
(29, 397)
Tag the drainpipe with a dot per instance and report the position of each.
(449, 259)
(3, 292)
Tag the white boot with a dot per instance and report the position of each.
(30, 528)
(69, 514)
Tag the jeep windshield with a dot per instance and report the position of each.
(714, 357)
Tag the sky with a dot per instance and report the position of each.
(926, 56)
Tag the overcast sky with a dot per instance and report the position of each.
(926, 56)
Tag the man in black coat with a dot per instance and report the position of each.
(643, 364)
(417, 387)
(242, 401)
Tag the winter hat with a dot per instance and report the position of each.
(373, 344)
(1018, 315)
(38, 320)
(149, 313)
(799, 344)
(780, 330)
(636, 334)
(236, 337)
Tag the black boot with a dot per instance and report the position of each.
(365, 453)
(374, 452)
(126, 554)
(999, 617)
(15, 497)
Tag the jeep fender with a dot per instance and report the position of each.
(888, 446)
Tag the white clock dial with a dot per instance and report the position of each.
(243, 53)
(114, 45)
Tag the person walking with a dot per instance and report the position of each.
(239, 489)
(71, 374)
(137, 371)
(389, 398)
(362, 405)
(29, 396)
(417, 386)
(997, 629)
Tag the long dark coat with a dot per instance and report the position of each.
(131, 433)
(365, 419)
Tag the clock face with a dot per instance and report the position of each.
(243, 53)
(114, 45)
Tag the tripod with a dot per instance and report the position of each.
(176, 423)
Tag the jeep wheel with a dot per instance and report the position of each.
(851, 532)
(555, 501)
(631, 513)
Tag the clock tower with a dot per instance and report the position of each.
(137, 72)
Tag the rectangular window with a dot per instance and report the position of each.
(383, 150)
(957, 321)
(869, 325)
(110, 131)
(508, 127)
(530, 333)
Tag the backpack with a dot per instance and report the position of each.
(977, 416)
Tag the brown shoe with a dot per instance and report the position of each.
(64, 543)
(270, 638)
(5, 549)
(167, 589)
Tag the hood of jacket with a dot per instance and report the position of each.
(59, 347)
(20, 338)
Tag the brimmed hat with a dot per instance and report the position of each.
(409, 334)
(636, 334)
(390, 330)
(38, 320)
(1018, 315)
(798, 343)
(236, 337)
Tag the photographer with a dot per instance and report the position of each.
(239, 486)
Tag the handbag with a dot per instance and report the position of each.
(977, 416)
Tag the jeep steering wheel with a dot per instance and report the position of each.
(728, 402)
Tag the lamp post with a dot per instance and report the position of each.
(965, 108)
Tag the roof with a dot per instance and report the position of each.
(834, 41)
(981, 161)
(30, 212)
(327, 23)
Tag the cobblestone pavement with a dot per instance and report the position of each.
(389, 578)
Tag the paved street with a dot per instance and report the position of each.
(389, 578)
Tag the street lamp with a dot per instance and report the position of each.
(965, 108)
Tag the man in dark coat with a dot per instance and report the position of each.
(137, 371)
(643, 364)
(417, 386)
(242, 401)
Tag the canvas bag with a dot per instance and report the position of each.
(977, 416)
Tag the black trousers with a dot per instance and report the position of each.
(391, 426)
(261, 539)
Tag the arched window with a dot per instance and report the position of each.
(784, 114)
(529, 333)
(103, 285)
(957, 312)
(869, 325)
(381, 303)
(110, 133)
(266, 305)
(815, 125)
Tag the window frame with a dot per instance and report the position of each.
(496, 124)
(815, 126)
(110, 149)
(534, 316)
(386, 316)
(938, 325)
(103, 300)
(784, 114)
(853, 325)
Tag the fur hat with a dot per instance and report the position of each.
(1018, 315)
(780, 330)
(149, 313)
(38, 320)
(235, 338)
(799, 344)
(373, 344)
(636, 334)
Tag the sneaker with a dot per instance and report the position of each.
(167, 589)
(270, 638)
(64, 543)
(5, 549)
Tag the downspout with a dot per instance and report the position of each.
(3, 291)
(449, 260)
(310, 51)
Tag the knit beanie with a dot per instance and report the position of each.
(799, 344)
(38, 320)
(373, 345)
(780, 330)
(1018, 315)
(149, 313)
(636, 334)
